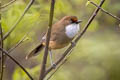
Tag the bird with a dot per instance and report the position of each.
(62, 33)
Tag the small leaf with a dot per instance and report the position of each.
(27, 38)
(88, 2)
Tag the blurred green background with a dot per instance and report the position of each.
(95, 57)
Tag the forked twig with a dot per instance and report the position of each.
(78, 38)
(11, 49)
(103, 10)
(9, 32)
(9, 3)
(43, 67)
(14, 26)
(6, 53)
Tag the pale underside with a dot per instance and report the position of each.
(72, 30)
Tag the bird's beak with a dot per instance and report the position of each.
(79, 21)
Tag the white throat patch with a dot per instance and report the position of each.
(72, 30)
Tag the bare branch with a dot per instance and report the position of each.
(14, 26)
(10, 50)
(1, 45)
(78, 38)
(2, 54)
(9, 3)
(103, 10)
(43, 67)
(20, 42)
(6, 53)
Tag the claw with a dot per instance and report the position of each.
(54, 65)
(73, 44)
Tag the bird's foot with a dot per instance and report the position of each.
(73, 44)
(54, 65)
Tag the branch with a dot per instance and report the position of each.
(104, 10)
(14, 47)
(10, 50)
(6, 53)
(2, 54)
(43, 67)
(14, 26)
(78, 38)
(9, 3)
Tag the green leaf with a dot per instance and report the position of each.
(19, 75)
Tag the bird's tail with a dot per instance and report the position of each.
(35, 51)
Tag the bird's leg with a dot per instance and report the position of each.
(51, 59)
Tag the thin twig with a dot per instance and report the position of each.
(57, 69)
(43, 67)
(103, 10)
(78, 38)
(14, 47)
(21, 41)
(6, 53)
(2, 54)
(14, 26)
(9, 3)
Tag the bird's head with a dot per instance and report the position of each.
(70, 20)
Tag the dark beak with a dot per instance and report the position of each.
(79, 21)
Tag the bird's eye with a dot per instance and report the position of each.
(71, 21)
(74, 20)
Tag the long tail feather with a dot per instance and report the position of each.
(35, 51)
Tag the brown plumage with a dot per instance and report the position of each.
(58, 37)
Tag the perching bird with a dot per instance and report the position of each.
(62, 34)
